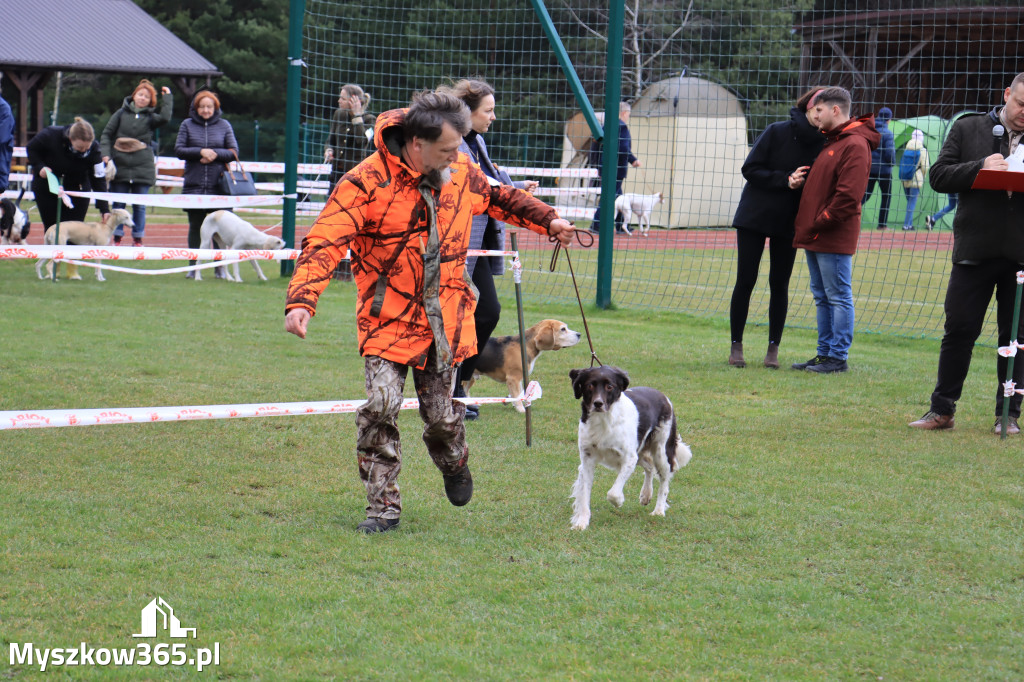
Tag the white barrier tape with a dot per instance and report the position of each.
(1011, 350)
(1020, 277)
(517, 269)
(186, 200)
(41, 419)
(158, 253)
(1009, 388)
(143, 253)
(162, 271)
(64, 198)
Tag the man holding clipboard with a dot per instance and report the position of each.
(988, 249)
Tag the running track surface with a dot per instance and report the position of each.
(176, 236)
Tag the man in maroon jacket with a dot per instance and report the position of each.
(828, 223)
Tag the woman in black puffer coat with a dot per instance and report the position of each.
(207, 143)
(774, 170)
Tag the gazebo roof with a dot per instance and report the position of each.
(113, 36)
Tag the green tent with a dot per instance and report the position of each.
(928, 201)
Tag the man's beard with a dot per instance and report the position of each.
(438, 178)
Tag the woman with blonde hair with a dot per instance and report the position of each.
(350, 139)
(72, 154)
(127, 140)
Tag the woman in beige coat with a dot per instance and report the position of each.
(912, 186)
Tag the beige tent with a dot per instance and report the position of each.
(691, 137)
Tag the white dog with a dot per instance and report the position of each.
(619, 429)
(225, 230)
(640, 204)
(83, 234)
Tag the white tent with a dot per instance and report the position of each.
(691, 136)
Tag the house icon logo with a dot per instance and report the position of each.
(158, 614)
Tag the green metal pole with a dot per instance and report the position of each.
(1009, 360)
(610, 155)
(567, 68)
(56, 227)
(296, 12)
(255, 140)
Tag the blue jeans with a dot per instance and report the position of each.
(832, 288)
(953, 200)
(138, 210)
(911, 193)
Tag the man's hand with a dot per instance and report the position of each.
(637, 164)
(562, 230)
(165, 90)
(530, 186)
(995, 162)
(295, 322)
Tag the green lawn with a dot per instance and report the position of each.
(813, 536)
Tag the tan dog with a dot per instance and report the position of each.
(83, 234)
(502, 360)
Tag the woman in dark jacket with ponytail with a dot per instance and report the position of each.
(72, 154)
(774, 170)
(207, 143)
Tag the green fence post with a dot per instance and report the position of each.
(1009, 360)
(255, 140)
(610, 154)
(296, 10)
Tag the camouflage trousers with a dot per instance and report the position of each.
(378, 444)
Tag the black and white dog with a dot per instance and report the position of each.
(13, 223)
(619, 429)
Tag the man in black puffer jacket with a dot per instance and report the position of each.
(988, 250)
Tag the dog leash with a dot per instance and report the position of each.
(580, 234)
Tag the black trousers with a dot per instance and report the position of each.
(885, 187)
(967, 297)
(47, 205)
(781, 254)
(488, 311)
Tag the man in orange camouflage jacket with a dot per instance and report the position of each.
(405, 213)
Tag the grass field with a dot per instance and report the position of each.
(813, 536)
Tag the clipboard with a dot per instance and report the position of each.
(996, 179)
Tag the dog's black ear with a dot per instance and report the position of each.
(621, 376)
(577, 385)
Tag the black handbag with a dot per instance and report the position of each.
(236, 183)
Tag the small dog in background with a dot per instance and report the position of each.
(642, 205)
(620, 428)
(502, 359)
(14, 223)
(225, 230)
(83, 234)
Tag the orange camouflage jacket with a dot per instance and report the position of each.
(377, 212)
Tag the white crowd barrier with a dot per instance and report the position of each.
(159, 253)
(43, 419)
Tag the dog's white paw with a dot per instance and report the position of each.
(616, 497)
(580, 522)
(519, 407)
(75, 276)
(659, 510)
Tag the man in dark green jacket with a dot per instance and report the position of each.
(988, 251)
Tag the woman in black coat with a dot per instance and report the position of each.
(206, 142)
(775, 171)
(72, 154)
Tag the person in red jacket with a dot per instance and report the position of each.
(406, 212)
(828, 223)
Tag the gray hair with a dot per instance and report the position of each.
(430, 110)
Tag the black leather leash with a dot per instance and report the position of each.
(580, 234)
